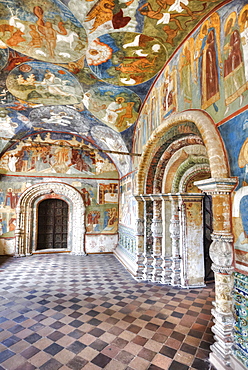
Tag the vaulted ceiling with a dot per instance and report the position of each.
(85, 67)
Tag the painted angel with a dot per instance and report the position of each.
(101, 12)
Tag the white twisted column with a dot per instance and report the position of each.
(140, 238)
(157, 232)
(175, 239)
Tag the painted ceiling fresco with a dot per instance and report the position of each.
(86, 66)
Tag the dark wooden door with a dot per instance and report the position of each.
(207, 231)
(52, 224)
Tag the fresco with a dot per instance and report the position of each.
(236, 131)
(127, 207)
(58, 118)
(102, 16)
(42, 83)
(12, 122)
(169, 20)
(104, 221)
(234, 71)
(110, 140)
(4, 55)
(209, 72)
(243, 26)
(59, 157)
(125, 58)
(47, 32)
(101, 218)
(117, 107)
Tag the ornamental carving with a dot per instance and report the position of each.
(157, 228)
(140, 226)
(221, 251)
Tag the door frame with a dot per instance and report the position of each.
(68, 213)
(27, 213)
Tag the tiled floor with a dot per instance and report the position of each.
(72, 312)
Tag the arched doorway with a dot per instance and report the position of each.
(52, 224)
(26, 231)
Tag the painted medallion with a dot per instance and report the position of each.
(48, 31)
(117, 107)
(125, 58)
(44, 83)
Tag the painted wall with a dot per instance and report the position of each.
(209, 71)
(71, 160)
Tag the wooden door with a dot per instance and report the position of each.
(52, 224)
(207, 231)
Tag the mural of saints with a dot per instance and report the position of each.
(234, 74)
(208, 66)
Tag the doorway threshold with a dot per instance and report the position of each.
(47, 251)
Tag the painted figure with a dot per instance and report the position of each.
(243, 160)
(185, 69)
(208, 69)
(47, 30)
(128, 114)
(101, 12)
(166, 17)
(36, 41)
(243, 24)
(86, 197)
(54, 85)
(163, 18)
(234, 74)
(113, 109)
(108, 11)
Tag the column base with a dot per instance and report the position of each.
(78, 254)
(236, 364)
(216, 362)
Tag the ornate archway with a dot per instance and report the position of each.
(220, 186)
(26, 228)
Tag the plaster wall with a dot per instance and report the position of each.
(194, 256)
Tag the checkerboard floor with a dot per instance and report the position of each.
(59, 311)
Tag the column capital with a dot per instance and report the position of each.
(217, 185)
(139, 197)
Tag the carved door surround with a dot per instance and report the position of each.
(26, 213)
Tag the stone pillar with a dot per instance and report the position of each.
(148, 257)
(191, 240)
(157, 232)
(221, 253)
(175, 238)
(140, 238)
